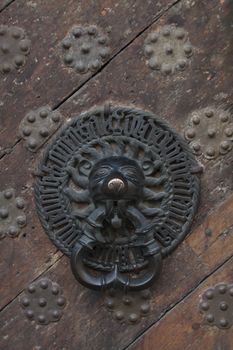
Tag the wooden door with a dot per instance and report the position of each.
(199, 87)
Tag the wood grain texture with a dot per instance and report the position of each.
(185, 328)
(27, 256)
(44, 78)
(125, 80)
(5, 3)
(40, 83)
(90, 325)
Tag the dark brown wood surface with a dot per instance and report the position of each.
(47, 24)
(4, 4)
(126, 80)
(183, 327)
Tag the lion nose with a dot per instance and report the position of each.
(116, 185)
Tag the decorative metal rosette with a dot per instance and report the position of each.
(169, 195)
(216, 305)
(85, 49)
(209, 132)
(168, 50)
(14, 48)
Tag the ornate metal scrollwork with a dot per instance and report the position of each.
(116, 191)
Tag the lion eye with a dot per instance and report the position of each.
(128, 170)
(103, 171)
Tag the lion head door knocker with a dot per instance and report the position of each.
(117, 191)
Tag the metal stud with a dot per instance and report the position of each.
(223, 322)
(209, 113)
(181, 63)
(166, 30)
(80, 67)
(119, 315)
(38, 125)
(66, 44)
(196, 146)
(153, 37)
(209, 294)
(210, 152)
(210, 318)
(85, 49)
(4, 213)
(145, 308)
(204, 306)
(223, 306)
(129, 307)
(77, 32)
(15, 46)
(12, 217)
(32, 288)
(149, 50)
(168, 50)
(222, 288)
(224, 118)
(154, 63)
(133, 318)
(44, 132)
(188, 49)
(8, 193)
(31, 118)
(229, 132)
(166, 68)
(217, 306)
(179, 33)
(43, 113)
(40, 303)
(191, 133)
(213, 132)
(225, 145)
(13, 231)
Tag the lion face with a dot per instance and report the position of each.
(116, 178)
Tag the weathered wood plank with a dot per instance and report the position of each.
(127, 80)
(27, 256)
(214, 229)
(90, 325)
(41, 19)
(45, 79)
(184, 327)
(5, 3)
(142, 91)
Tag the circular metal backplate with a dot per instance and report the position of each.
(171, 189)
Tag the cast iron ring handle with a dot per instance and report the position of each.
(113, 278)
